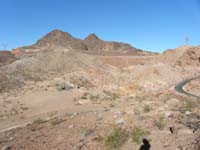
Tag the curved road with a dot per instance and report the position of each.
(179, 88)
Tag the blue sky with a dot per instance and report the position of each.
(147, 24)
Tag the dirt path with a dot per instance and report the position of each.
(46, 104)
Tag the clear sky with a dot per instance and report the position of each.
(147, 24)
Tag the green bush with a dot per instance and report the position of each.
(115, 139)
(138, 134)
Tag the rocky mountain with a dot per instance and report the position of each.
(92, 44)
(51, 41)
(6, 57)
(96, 45)
(62, 39)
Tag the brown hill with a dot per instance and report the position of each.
(92, 44)
(62, 39)
(6, 57)
(53, 40)
(96, 45)
(183, 56)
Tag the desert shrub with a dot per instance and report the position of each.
(146, 108)
(56, 121)
(90, 95)
(81, 82)
(7, 82)
(115, 139)
(138, 134)
(112, 105)
(94, 96)
(111, 95)
(188, 104)
(84, 96)
(160, 123)
(167, 96)
(139, 98)
(39, 121)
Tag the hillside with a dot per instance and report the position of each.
(183, 56)
(98, 46)
(6, 57)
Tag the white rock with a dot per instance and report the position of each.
(168, 114)
(117, 112)
(6, 148)
(71, 126)
(187, 112)
(120, 122)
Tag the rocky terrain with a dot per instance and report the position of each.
(6, 57)
(65, 93)
(193, 87)
(183, 56)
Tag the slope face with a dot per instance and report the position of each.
(183, 56)
(191, 57)
(62, 39)
(45, 66)
(96, 45)
(6, 57)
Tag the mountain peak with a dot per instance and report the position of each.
(92, 37)
(55, 37)
(58, 33)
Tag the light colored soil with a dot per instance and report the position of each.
(193, 87)
(126, 61)
(137, 91)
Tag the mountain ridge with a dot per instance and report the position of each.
(91, 44)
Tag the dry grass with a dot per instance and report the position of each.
(38, 121)
(138, 134)
(115, 139)
(56, 121)
(160, 123)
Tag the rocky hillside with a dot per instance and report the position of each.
(183, 56)
(80, 68)
(96, 45)
(6, 57)
(62, 39)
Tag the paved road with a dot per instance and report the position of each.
(179, 88)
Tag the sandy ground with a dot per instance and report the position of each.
(42, 117)
(63, 120)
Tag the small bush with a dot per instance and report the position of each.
(84, 96)
(146, 108)
(138, 134)
(39, 121)
(139, 98)
(115, 139)
(166, 97)
(188, 104)
(56, 121)
(160, 123)
(94, 96)
(113, 96)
